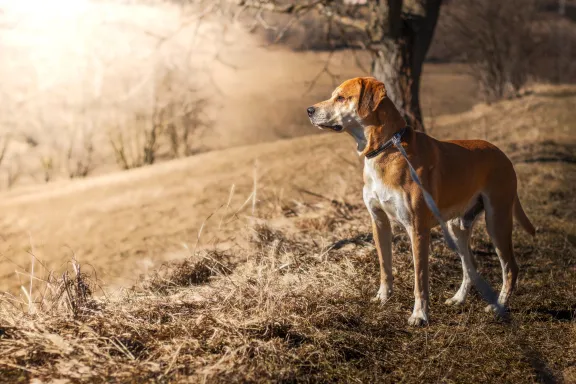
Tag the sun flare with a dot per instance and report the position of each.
(48, 9)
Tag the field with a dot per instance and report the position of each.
(285, 294)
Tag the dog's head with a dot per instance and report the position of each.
(352, 104)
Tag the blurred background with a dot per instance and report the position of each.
(97, 86)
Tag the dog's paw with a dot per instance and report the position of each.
(418, 319)
(383, 295)
(490, 308)
(497, 309)
(456, 300)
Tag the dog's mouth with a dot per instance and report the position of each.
(335, 128)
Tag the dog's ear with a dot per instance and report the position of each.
(372, 92)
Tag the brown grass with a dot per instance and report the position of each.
(288, 298)
(297, 308)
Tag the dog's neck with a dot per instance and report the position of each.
(359, 135)
(385, 122)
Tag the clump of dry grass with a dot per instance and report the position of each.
(191, 272)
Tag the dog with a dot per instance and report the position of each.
(464, 177)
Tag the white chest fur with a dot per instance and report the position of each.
(381, 197)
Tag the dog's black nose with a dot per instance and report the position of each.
(311, 111)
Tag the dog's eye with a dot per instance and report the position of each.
(340, 98)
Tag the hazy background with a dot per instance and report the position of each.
(80, 76)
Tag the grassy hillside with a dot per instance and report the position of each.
(285, 295)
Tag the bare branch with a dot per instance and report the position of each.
(344, 20)
(323, 6)
(4, 148)
(285, 8)
(325, 70)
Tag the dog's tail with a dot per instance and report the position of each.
(520, 215)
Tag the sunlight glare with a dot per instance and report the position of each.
(49, 9)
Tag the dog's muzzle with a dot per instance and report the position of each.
(311, 111)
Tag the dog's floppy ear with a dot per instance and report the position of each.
(372, 92)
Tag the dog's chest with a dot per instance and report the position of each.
(380, 197)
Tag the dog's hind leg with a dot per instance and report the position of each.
(499, 227)
(461, 232)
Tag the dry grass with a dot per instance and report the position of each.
(289, 299)
(296, 307)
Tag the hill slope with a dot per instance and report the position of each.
(126, 222)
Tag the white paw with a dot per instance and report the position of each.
(490, 308)
(383, 295)
(498, 309)
(456, 300)
(418, 319)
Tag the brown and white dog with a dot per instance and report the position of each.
(465, 177)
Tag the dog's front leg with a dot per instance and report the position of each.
(383, 241)
(420, 238)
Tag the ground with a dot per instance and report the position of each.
(273, 269)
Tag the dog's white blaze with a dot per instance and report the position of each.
(377, 195)
(348, 113)
(343, 114)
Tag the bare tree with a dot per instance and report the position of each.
(184, 127)
(80, 162)
(180, 109)
(4, 143)
(13, 171)
(168, 128)
(137, 145)
(47, 163)
(398, 34)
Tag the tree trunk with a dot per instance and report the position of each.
(401, 51)
(392, 66)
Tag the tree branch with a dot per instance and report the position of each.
(323, 6)
(344, 20)
(277, 8)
